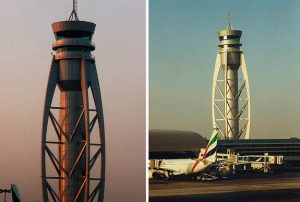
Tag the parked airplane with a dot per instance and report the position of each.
(174, 167)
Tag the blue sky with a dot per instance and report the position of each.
(182, 50)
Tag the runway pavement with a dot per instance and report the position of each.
(285, 187)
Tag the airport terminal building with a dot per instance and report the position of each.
(174, 144)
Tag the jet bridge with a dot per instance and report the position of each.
(230, 162)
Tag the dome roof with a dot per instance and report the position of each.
(174, 140)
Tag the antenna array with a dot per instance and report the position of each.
(73, 16)
(229, 21)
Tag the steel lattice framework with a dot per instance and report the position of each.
(230, 94)
(68, 152)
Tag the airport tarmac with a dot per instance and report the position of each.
(275, 187)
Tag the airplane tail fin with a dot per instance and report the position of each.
(15, 193)
(211, 148)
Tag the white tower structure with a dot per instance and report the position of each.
(230, 89)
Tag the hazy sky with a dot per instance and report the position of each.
(25, 57)
(183, 46)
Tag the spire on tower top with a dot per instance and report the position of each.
(229, 21)
(73, 16)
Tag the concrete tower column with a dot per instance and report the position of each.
(232, 108)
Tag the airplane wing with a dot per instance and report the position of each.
(164, 169)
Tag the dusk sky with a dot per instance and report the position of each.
(182, 52)
(25, 53)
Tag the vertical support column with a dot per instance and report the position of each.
(95, 87)
(231, 99)
(232, 104)
(84, 88)
(73, 143)
(226, 93)
(214, 86)
(52, 82)
(246, 77)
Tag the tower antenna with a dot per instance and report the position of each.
(73, 16)
(229, 21)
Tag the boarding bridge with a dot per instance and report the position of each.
(231, 162)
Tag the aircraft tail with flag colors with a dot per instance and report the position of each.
(211, 148)
(209, 156)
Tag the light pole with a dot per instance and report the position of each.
(5, 191)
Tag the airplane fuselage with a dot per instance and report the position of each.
(184, 166)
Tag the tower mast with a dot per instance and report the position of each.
(229, 21)
(74, 15)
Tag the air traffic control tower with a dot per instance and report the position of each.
(230, 90)
(73, 162)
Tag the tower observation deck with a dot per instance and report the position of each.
(70, 160)
(230, 93)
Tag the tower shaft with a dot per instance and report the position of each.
(72, 103)
(232, 103)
